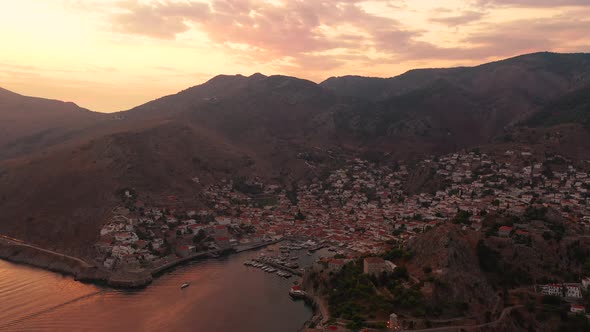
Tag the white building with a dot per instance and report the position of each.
(121, 251)
(109, 262)
(553, 289)
(573, 290)
(562, 290)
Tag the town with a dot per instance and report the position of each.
(359, 207)
(358, 210)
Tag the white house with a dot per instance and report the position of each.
(562, 290)
(573, 290)
(553, 289)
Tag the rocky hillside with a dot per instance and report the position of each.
(450, 254)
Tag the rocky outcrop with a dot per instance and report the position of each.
(450, 252)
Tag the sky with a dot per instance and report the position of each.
(111, 55)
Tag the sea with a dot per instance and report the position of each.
(224, 296)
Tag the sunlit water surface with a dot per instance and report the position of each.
(224, 296)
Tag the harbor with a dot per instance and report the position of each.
(285, 261)
(261, 304)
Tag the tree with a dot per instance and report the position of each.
(300, 216)
(489, 259)
(199, 237)
(462, 217)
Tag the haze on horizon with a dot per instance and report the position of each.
(110, 55)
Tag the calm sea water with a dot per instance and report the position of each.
(224, 295)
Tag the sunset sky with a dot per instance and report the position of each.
(110, 55)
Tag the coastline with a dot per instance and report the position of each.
(321, 312)
(21, 253)
(319, 316)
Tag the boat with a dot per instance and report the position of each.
(297, 293)
(185, 285)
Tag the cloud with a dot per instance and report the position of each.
(159, 20)
(464, 18)
(323, 35)
(534, 3)
(294, 29)
(563, 33)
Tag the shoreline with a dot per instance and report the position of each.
(320, 311)
(318, 317)
(21, 253)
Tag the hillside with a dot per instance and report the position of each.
(28, 124)
(573, 107)
(476, 103)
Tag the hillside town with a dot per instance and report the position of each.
(360, 207)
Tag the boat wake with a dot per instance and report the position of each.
(44, 311)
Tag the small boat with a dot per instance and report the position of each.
(297, 293)
(185, 285)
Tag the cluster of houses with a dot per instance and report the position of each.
(569, 291)
(359, 207)
(133, 241)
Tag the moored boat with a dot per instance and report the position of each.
(297, 293)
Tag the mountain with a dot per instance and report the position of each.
(573, 107)
(539, 74)
(28, 124)
(466, 104)
(61, 166)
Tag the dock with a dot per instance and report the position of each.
(280, 267)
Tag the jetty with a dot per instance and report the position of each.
(279, 266)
